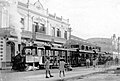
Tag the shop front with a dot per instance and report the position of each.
(10, 47)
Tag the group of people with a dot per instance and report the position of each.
(94, 62)
(18, 62)
(61, 67)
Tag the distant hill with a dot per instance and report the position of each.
(104, 43)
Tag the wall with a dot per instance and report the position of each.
(38, 14)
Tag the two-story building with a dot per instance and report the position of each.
(38, 27)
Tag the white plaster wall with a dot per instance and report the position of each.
(0, 16)
(48, 29)
(62, 32)
(49, 22)
(5, 17)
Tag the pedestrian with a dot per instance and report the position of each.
(47, 67)
(95, 62)
(87, 63)
(17, 62)
(116, 60)
(62, 67)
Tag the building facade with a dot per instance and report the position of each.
(37, 26)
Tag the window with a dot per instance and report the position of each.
(36, 27)
(90, 48)
(39, 28)
(22, 21)
(53, 31)
(42, 28)
(65, 35)
(58, 33)
(82, 47)
(74, 46)
(86, 47)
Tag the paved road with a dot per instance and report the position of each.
(101, 77)
(39, 75)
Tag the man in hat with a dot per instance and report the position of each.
(47, 67)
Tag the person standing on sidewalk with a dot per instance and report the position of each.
(47, 67)
(116, 60)
(62, 67)
(87, 63)
(95, 62)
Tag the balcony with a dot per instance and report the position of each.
(29, 35)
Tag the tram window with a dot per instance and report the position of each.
(39, 52)
(28, 51)
(82, 47)
(34, 52)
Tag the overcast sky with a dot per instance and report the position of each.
(88, 18)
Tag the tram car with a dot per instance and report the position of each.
(33, 56)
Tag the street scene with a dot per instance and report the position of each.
(50, 40)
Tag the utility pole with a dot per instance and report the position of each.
(118, 46)
(28, 14)
(69, 37)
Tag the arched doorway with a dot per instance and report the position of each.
(10, 51)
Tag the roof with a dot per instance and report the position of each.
(38, 5)
(79, 41)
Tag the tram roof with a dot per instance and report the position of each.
(58, 49)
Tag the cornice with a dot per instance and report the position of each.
(45, 16)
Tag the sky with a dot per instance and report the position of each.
(88, 18)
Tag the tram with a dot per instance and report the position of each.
(33, 56)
